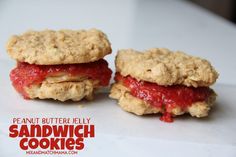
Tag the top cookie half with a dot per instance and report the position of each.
(165, 67)
(59, 47)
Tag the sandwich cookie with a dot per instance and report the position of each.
(61, 65)
(161, 81)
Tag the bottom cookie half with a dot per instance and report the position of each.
(137, 106)
(63, 90)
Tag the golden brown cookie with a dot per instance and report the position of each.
(165, 67)
(63, 90)
(137, 106)
(50, 47)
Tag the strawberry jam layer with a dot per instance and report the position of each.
(165, 97)
(25, 75)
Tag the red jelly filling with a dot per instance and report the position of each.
(25, 75)
(166, 97)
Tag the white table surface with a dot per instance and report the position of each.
(174, 24)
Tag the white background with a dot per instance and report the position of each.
(138, 24)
